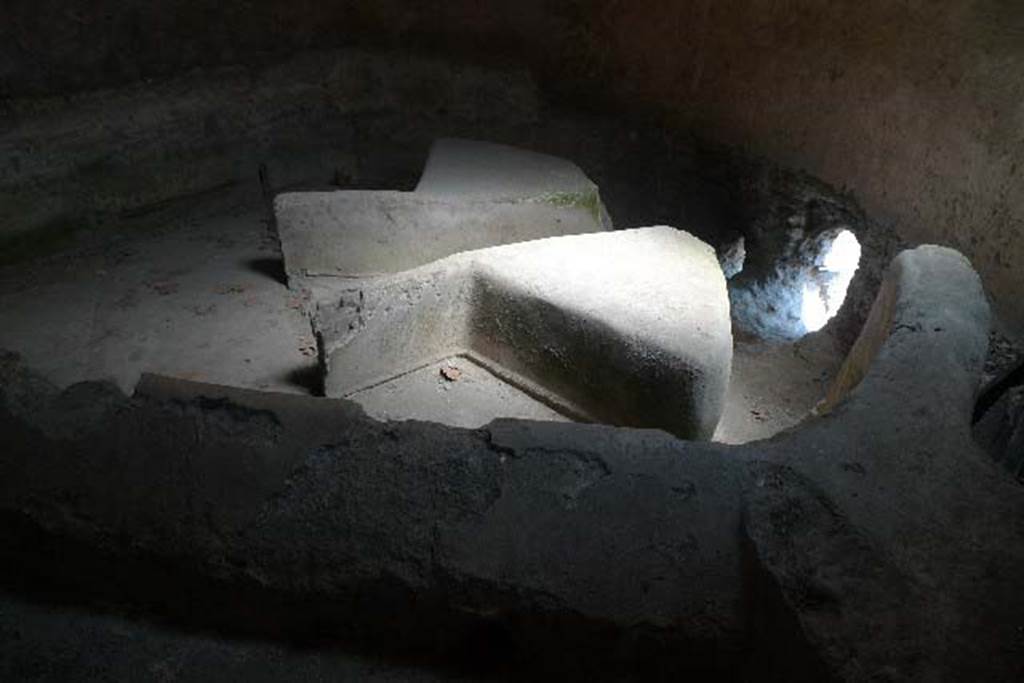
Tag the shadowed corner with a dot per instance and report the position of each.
(272, 268)
(308, 378)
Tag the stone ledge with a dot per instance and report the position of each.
(874, 543)
(471, 195)
(628, 327)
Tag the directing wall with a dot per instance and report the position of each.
(917, 107)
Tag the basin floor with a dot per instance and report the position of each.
(195, 289)
(455, 391)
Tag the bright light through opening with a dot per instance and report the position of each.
(825, 292)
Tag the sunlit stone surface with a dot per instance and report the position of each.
(472, 195)
(629, 327)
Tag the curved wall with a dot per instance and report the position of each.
(916, 107)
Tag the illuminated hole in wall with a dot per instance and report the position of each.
(825, 291)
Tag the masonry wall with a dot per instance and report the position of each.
(917, 107)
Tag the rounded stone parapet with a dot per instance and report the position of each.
(875, 542)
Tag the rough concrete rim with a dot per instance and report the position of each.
(873, 543)
(601, 354)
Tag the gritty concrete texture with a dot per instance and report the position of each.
(629, 327)
(876, 542)
(358, 233)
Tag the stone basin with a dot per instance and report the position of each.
(628, 328)
(495, 289)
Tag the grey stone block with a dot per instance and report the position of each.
(358, 233)
(629, 327)
(471, 195)
(877, 542)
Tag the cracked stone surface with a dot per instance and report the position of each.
(629, 327)
(874, 542)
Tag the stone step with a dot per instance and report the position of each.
(458, 168)
(359, 233)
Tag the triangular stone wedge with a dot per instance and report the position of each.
(629, 328)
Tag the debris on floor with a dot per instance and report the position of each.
(163, 288)
(451, 372)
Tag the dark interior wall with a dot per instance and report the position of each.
(54, 46)
(916, 106)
